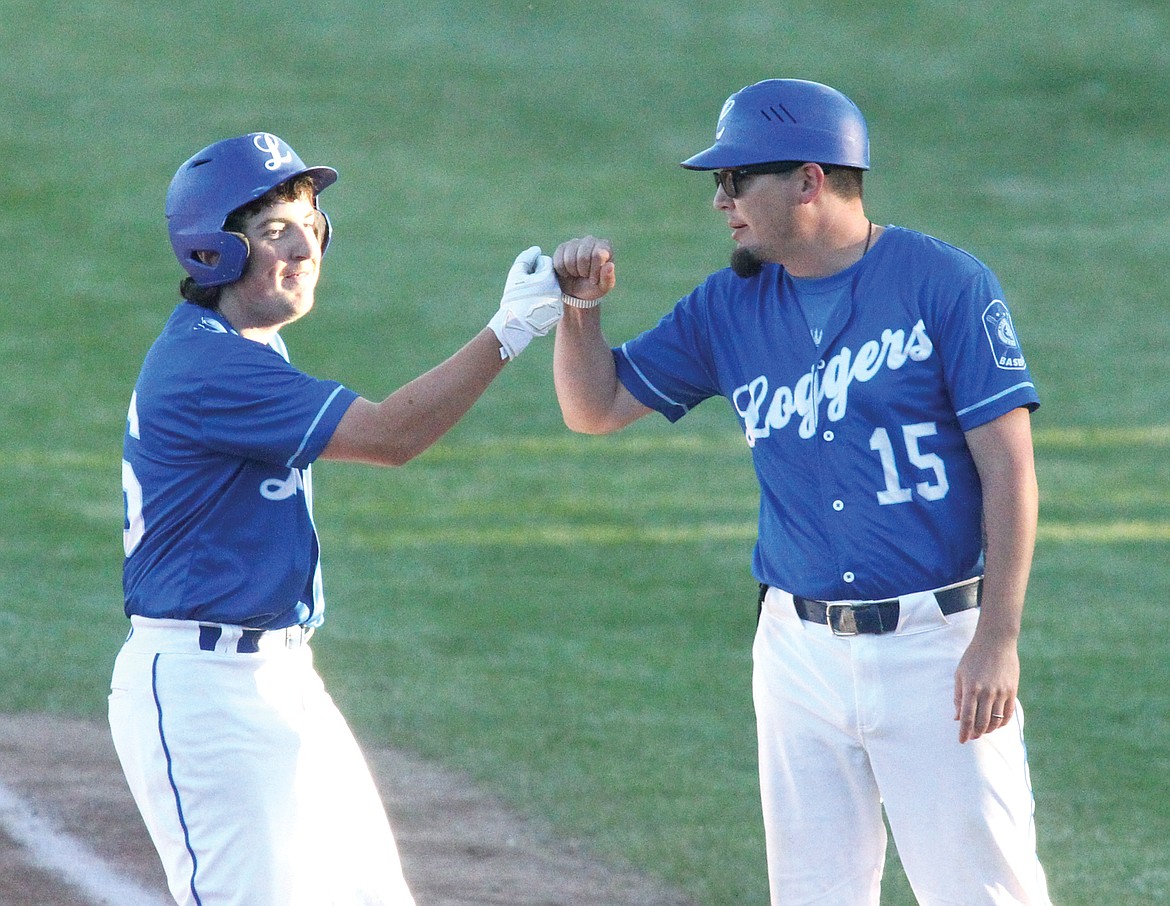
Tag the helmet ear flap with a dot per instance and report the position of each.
(324, 229)
(214, 259)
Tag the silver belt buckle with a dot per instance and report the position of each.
(845, 624)
(296, 636)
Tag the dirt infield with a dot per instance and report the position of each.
(459, 846)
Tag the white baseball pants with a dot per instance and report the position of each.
(247, 776)
(846, 724)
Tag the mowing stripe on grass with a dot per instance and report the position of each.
(1105, 532)
(552, 535)
(1083, 438)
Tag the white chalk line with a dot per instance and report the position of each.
(69, 858)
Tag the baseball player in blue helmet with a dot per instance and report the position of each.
(877, 378)
(248, 779)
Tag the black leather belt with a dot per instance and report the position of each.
(876, 617)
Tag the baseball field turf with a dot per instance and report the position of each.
(569, 619)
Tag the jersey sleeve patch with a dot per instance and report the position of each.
(1001, 334)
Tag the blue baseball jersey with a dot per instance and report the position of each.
(217, 482)
(867, 486)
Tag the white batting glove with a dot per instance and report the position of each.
(531, 304)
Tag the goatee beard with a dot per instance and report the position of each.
(746, 263)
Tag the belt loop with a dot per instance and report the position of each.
(209, 637)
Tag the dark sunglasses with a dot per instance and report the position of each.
(732, 181)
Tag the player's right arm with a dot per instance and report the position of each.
(416, 415)
(592, 399)
(412, 418)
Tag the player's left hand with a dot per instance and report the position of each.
(986, 682)
(531, 304)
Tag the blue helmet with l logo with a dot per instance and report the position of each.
(219, 179)
(786, 119)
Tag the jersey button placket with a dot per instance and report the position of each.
(827, 437)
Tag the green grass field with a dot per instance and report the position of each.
(569, 619)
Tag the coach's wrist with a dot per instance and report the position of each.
(574, 302)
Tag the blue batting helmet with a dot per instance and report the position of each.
(218, 180)
(786, 119)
